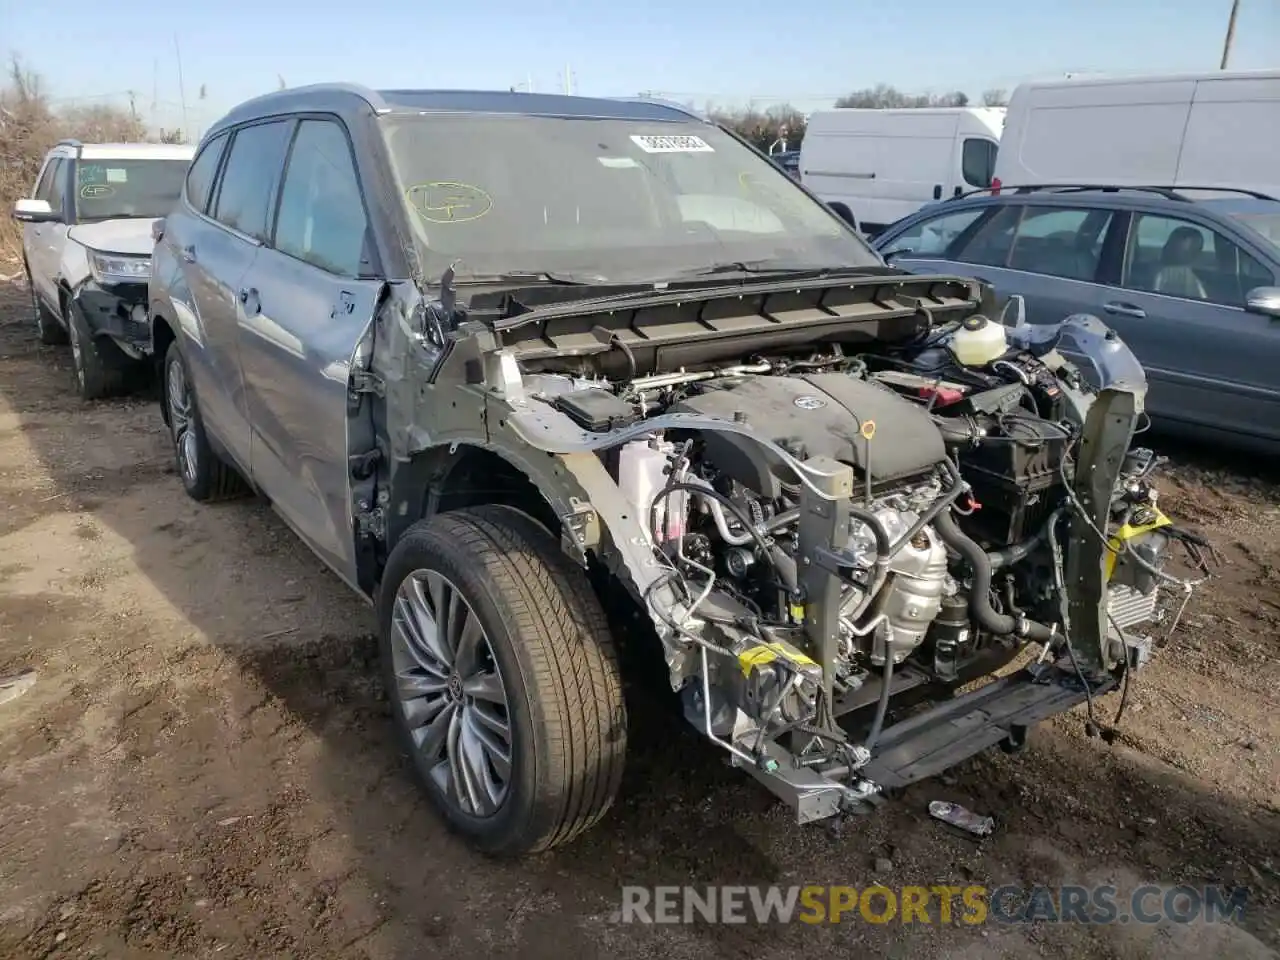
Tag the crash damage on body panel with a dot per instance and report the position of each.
(834, 498)
(117, 310)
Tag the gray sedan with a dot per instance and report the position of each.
(1189, 284)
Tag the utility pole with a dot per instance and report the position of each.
(1231, 34)
(182, 91)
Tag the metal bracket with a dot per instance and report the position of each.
(1108, 431)
(363, 381)
(371, 522)
(824, 531)
(581, 530)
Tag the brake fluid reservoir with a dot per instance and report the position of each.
(979, 341)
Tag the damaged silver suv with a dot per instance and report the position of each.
(504, 361)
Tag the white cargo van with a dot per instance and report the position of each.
(1187, 130)
(881, 165)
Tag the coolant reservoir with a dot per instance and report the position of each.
(979, 341)
(642, 469)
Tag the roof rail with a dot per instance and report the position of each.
(1168, 192)
(679, 107)
(68, 142)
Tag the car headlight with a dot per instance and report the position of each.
(107, 268)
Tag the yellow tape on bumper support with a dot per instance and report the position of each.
(763, 653)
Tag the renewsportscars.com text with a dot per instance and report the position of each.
(934, 904)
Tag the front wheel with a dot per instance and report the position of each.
(502, 677)
(100, 366)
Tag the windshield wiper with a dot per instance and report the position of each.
(535, 276)
(761, 268)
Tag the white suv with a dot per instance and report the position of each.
(86, 244)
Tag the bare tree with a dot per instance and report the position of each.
(29, 126)
(883, 96)
(763, 128)
(995, 97)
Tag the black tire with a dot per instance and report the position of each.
(205, 476)
(101, 368)
(51, 333)
(551, 643)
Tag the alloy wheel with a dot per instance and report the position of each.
(451, 693)
(178, 400)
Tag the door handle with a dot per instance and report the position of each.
(189, 254)
(1124, 309)
(249, 298)
(937, 191)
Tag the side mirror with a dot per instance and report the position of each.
(1264, 300)
(34, 211)
(1014, 313)
(157, 229)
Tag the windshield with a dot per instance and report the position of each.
(604, 199)
(108, 189)
(1266, 224)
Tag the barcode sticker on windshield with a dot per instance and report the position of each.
(117, 175)
(669, 144)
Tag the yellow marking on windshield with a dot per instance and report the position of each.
(448, 201)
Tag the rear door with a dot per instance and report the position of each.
(307, 300)
(1178, 301)
(217, 251)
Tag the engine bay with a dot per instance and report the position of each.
(839, 525)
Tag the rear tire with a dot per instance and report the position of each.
(51, 333)
(205, 476)
(548, 646)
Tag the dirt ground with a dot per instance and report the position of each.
(203, 767)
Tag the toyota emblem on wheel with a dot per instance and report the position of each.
(810, 403)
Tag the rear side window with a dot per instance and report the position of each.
(322, 218)
(978, 162)
(200, 176)
(248, 182)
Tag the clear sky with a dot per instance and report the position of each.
(705, 51)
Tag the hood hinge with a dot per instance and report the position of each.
(371, 522)
(365, 381)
